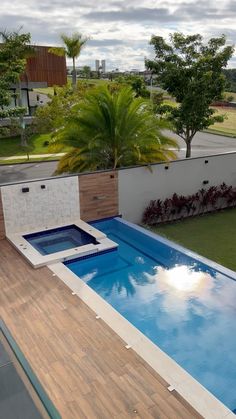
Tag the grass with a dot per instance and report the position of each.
(170, 103)
(45, 90)
(50, 90)
(212, 236)
(11, 146)
(96, 81)
(231, 94)
(227, 127)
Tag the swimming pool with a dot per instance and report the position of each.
(181, 304)
(59, 239)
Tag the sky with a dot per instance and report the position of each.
(119, 30)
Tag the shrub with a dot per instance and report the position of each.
(179, 206)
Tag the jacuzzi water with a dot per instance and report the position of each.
(59, 239)
(185, 307)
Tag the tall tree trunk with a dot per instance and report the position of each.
(188, 148)
(23, 141)
(74, 74)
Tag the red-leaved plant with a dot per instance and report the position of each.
(179, 206)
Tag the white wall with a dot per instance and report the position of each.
(43, 99)
(137, 186)
(40, 208)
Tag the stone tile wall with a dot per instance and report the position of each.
(47, 203)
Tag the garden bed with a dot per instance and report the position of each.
(178, 207)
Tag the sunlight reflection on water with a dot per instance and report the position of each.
(183, 278)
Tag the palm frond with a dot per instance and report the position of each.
(74, 44)
(111, 130)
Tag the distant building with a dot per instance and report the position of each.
(100, 66)
(104, 66)
(97, 65)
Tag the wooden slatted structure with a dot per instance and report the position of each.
(98, 195)
(46, 67)
(81, 363)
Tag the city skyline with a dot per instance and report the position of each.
(119, 30)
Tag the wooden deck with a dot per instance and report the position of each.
(81, 363)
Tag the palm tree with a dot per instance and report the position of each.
(109, 130)
(73, 46)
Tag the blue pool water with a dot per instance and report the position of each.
(59, 239)
(187, 308)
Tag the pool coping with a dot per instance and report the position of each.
(202, 400)
(38, 260)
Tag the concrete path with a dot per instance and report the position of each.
(33, 156)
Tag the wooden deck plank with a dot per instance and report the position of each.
(81, 363)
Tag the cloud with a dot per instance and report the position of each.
(141, 14)
(105, 42)
(120, 30)
(195, 11)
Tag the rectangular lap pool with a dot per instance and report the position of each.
(181, 304)
(59, 239)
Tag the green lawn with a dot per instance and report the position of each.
(228, 127)
(11, 146)
(231, 94)
(170, 102)
(45, 90)
(212, 236)
(50, 90)
(95, 81)
(229, 124)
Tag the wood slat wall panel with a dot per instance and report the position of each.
(45, 67)
(2, 224)
(81, 363)
(98, 195)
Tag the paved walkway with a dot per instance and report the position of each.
(33, 156)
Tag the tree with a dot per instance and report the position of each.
(73, 46)
(110, 130)
(136, 82)
(86, 71)
(230, 75)
(12, 65)
(13, 54)
(191, 71)
(52, 116)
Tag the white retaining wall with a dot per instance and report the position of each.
(56, 204)
(137, 186)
